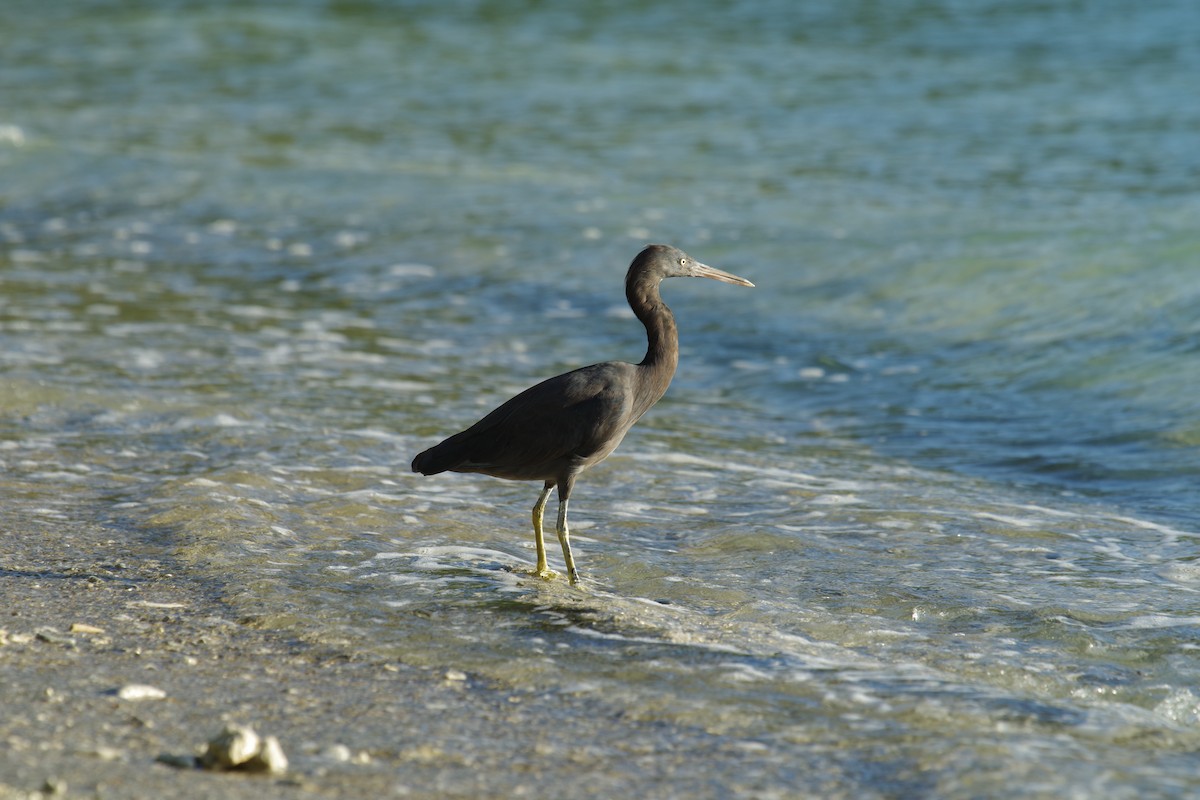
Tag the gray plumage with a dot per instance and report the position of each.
(555, 430)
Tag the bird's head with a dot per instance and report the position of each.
(663, 261)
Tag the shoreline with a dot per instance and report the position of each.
(87, 622)
(83, 623)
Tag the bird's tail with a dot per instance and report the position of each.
(439, 458)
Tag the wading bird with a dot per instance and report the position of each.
(555, 430)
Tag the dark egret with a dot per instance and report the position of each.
(555, 430)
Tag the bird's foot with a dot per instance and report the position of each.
(550, 575)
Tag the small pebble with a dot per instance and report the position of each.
(344, 755)
(140, 691)
(337, 752)
(232, 747)
(269, 758)
(240, 747)
(108, 753)
(83, 627)
(455, 675)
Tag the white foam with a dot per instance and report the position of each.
(1181, 573)
(835, 500)
(1016, 522)
(406, 270)
(1170, 534)
(1146, 622)
(1181, 706)
(219, 420)
(687, 459)
(463, 553)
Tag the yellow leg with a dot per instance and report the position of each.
(539, 508)
(564, 538)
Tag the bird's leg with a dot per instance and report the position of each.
(564, 538)
(539, 508)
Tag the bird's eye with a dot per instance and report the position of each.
(683, 262)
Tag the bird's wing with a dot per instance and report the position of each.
(573, 416)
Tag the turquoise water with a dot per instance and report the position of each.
(918, 516)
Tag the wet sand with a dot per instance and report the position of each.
(86, 621)
(81, 620)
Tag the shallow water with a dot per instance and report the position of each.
(919, 513)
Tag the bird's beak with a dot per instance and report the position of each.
(705, 271)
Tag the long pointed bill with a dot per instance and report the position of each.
(704, 271)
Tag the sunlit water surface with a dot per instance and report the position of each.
(919, 513)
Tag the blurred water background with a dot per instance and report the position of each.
(919, 515)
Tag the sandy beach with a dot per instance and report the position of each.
(80, 623)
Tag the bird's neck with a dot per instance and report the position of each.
(662, 338)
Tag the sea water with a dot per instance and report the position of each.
(919, 514)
